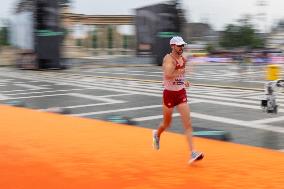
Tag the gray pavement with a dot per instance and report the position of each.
(222, 97)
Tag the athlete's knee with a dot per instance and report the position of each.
(165, 126)
(187, 126)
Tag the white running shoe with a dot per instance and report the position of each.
(195, 156)
(156, 140)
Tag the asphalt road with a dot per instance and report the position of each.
(222, 97)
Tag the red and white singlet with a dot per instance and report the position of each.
(178, 82)
(174, 89)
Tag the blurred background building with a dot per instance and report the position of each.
(201, 32)
(103, 35)
(275, 38)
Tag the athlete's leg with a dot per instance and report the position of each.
(167, 119)
(184, 111)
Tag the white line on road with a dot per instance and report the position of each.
(232, 104)
(44, 92)
(27, 97)
(230, 121)
(148, 118)
(30, 86)
(92, 97)
(89, 105)
(116, 95)
(269, 120)
(117, 110)
(3, 97)
(126, 109)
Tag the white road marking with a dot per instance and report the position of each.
(118, 110)
(3, 97)
(92, 97)
(115, 95)
(30, 86)
(27, 97)
(90, 105)
(230, 121)
(269, 120)
(134, 87)
(231, 104)
(44, 92)
(127, 109)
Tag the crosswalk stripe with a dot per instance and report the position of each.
(220, 96)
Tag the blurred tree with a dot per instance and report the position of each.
(125, 41)
(210, 48)
(4, 36)
(79, 42)
(241, 35)
(109, 37)
(95, 39)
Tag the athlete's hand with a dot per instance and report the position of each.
(187, 84)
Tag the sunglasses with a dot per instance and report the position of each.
(180, 45)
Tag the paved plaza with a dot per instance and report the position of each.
(221, 97)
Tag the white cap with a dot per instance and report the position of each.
(177, 41)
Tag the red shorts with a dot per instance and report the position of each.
(173, 98)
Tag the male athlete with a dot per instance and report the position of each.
(174, 95)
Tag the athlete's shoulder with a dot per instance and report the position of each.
(167, 56)
(168, 59)
(184, 59)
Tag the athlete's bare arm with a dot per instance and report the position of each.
(169, 68)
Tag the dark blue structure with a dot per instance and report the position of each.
(155, 25)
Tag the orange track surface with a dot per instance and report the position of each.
(43, 150)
